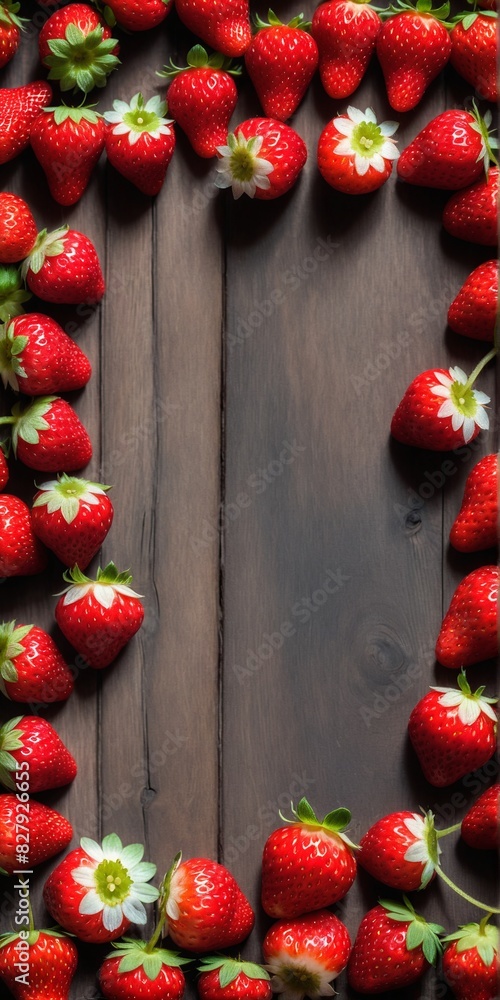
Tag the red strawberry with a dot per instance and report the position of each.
(75, 44)
(452, 151)
(230, 979)
(470, 962)
(401, 850)
(51, 958)
(440, 410)
(474, 51)
(225, 27)
(262, 159)
(19, 106)
(64, 267)
(413, 47)
(481, 825)
(140, 141)
(10, 30)
(37, 357)
(18, 229)
(31, 667)
(68, 142)
(204, 906)
(4, 468)
(48, 435)
(393, 948)
(472, 213)
(12, 293)
(476, 525)
(345, 32)
(97, 891)
(45, 832)
(21, 554)
(33, 755)
(355, 154)
(72, 517)
(139, 969)
(306, 953)
(469, 632)
(308, 865)
(202, 98)
(453, 732)
(98, 617)
(281, 61)
(140, 15)
(474, 309)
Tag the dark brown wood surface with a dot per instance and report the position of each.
(248, 357)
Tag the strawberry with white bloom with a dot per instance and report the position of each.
(140, 141)
(401, 850)
(355, 153)
(263, 159)
(304, 954)
(72, 517)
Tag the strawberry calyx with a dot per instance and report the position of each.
(10, 646)
(137, 118)
(46, 245)
(109, 583)
(489, 141)
(8, 14)
(10, 739)
(230, 968)
(300, 21)
(422, 7)
(464, 404)
(335, 822)
(470, 704)
(467, 17)
(240, 166)
(198, 58)
(135, 954)
(81, 61)
(11, 346)
(420, 933)
(77, 115)
(28, 422)
(363, 138)
(67, 493)
(167, 905)
(484, 937)
(12, 293)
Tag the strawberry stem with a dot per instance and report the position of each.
(449, 829)
(470, 899)
(479, 367)
(7, 420)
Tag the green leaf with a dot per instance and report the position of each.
(152, 965)
(305, 813)
(197, 57)
(8, 672)
(75, 36)
(337, 820)
(131, 961)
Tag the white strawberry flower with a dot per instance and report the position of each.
(425, 849)
(240, 166)
(66, 494)
(470, 706)
(117, 881)
(288, 972)
(461, 402)
(368, 142)
(136, 119)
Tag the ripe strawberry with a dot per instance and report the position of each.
(474, 51)
(453, 732)
(469, 632)
(225, 27)
(473, 311)
(204, 906)
(98, 617)
(413, 47)
(140, 15)
(72, 517)
(263, 159)
(19, 106)
(18, 229)
(140, 141)
(21, 554)
(10, 30)
(33, 755)
(451, 152)
(345, 32)
(401, 850)
(440, 410)
(4, 468)
(281, 61)
(48, 435)
(202, 98)
(476, 525)
(12, 293)
(37, 357)
(481, 825)
(64, 267)
(393, 948)
(306, 953)
(45, 832)
(308, 865)
(68, 142)
(75, 44)
(230, 979)
(472, 213)
(31, 667)
(355, 155)
(470, 961)
(51, 958)
(138, 969)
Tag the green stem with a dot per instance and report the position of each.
(450, 829)
(153, 941)
(7, 420)
(484, 921)
(479, 367)
(470, 899)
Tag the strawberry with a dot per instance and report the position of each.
(472, 213)
(451, 152)
(135, 969)
(345, 32)
(33, 755)
(474, 51)
(140, 141)
(98, 617)
(139, 15)
(308, 865)
(225, 26)
(231, 979)
(281, 61)
(12, 293)
(476, 524)
(262, 159)
(75, 44)
(393, 948)
(72, 517)
(18, 229)
(50, 957)
(21, 553)
(440, 411)
(48, 435)
(19, 106)
(355, 154)
(4, 468)
(470, 961)
(44, 832)
(413, 46)
(37, 357)
(306, 953)
(31, 667)
(473, 311)
(64, 267)
(469, 632)
(68, 142)
(97, 891)
(401, 850)
(204, 906)
(202, 98)
(10, 30)
(453, 732)
(480, 826)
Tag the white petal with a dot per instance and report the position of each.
(223, 179)
(91, 903)
(131, 855)
(343, 148)
(480, 397)
(389, 151)
(458, 375)
(344, 126)
(457, 420)
(377, 162)
(262, 166)
(417, 852)
(143, 871)
(134, 911)
(121, 129)
(440, 390)
(487, 709)
(356, 115)
(121, 107)
(154, 104)
(415, 825)
(361, 164)
(172, 908)
(447, 409)
(104, 594)
(134, 137)
(92, 848)
(444, 379)
(482, 419)
(388, 128)
(370, 116)
(112, 117)
(84, 875)
(263, 183)
(469, 711)
(469, 428)
(76, 593)
(112, 917)
(134, 102)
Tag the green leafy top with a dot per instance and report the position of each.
(134, 954)
(67, 493)
(441, 13)
(198, 58)
(334, 822)
(482, 125)
(299, 21)
(11, 645)
(8, 14)
(10, 739)
(12, 293)
(81, 61)
(77, 115)
(230, 968)
(46, 245)
(483, 937)
(420, 933)
(11, 346)
(467, 17)
(108, 575)
(33, 936)
(30, 420)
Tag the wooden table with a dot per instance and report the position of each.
(248, 357)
